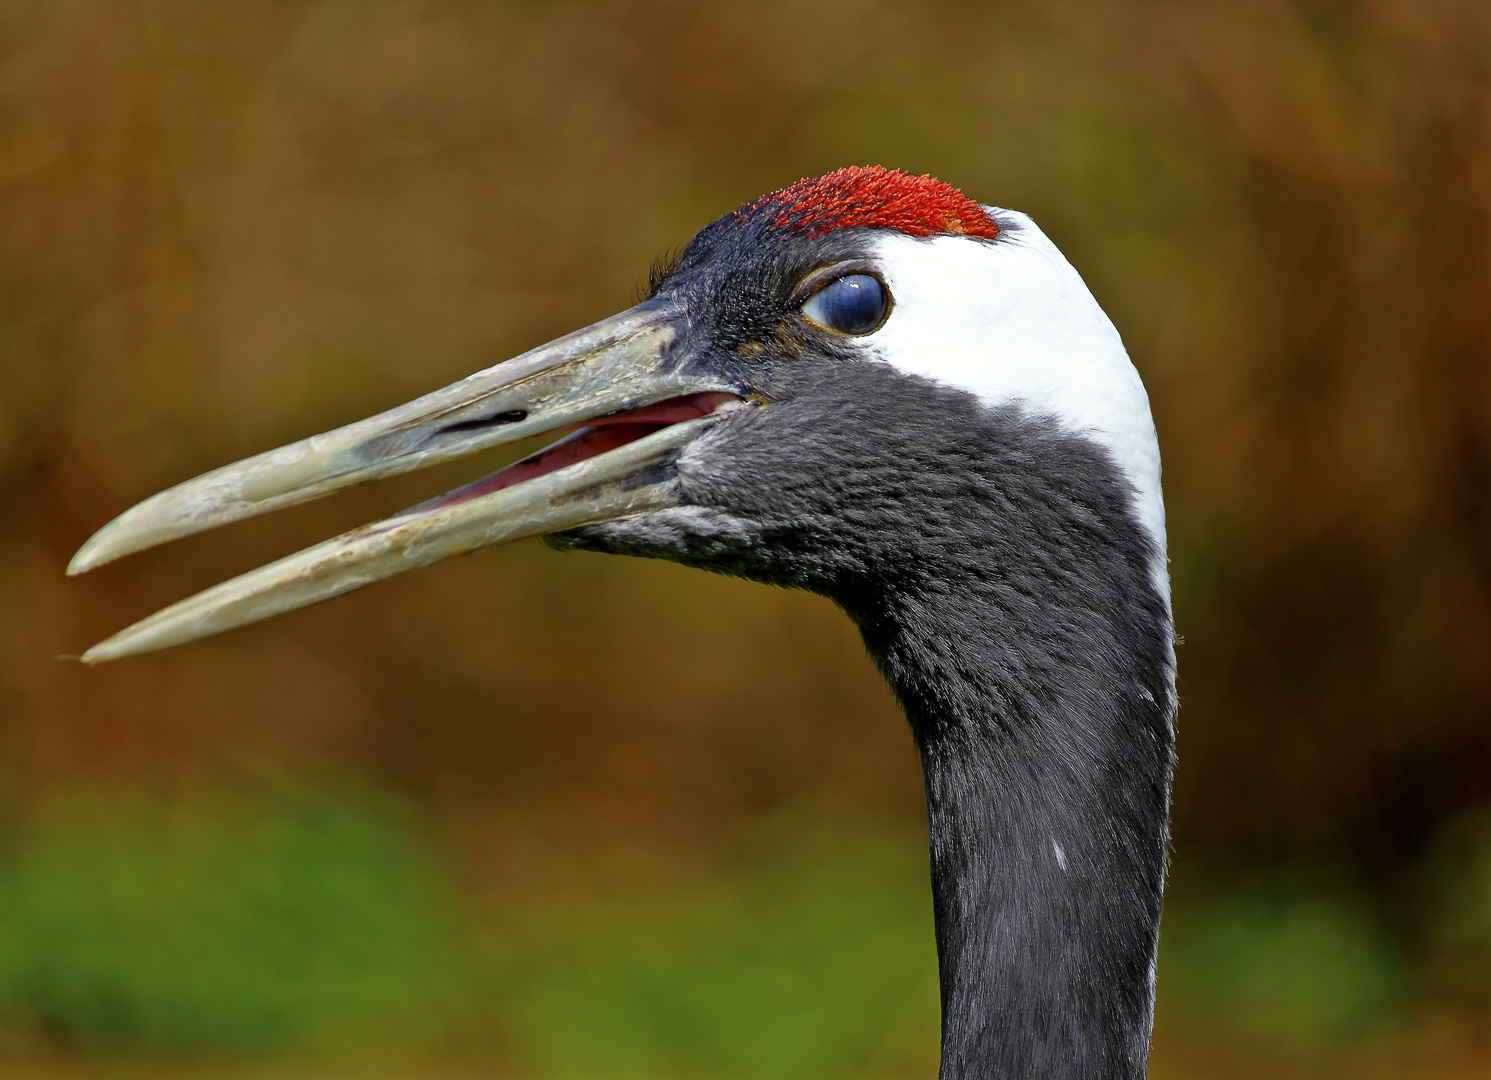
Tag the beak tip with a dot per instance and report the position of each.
(122, 536)
(92, 555)
(81, 563)
(111, 649)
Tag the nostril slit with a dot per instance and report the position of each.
(511, 416)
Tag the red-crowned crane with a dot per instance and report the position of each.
(871, 387)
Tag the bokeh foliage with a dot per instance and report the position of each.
(314, 924)
(1288, 973)
(266, 926)
(812, 959)
(224, 226)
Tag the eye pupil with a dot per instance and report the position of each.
(854, 304)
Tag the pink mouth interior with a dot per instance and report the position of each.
(591, 441)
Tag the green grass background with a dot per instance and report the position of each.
(301, 924)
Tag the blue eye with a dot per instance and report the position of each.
(854, 304)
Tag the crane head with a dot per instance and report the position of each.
(808, 396)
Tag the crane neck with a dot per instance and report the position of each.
(1038, 682)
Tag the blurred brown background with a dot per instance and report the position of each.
(225, 226)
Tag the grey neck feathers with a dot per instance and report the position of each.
(999, 575)
(1038, 684)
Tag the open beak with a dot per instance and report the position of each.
(617, 381)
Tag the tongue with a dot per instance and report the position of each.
(676, 410)
(606, 434)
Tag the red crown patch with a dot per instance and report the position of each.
(879, 198)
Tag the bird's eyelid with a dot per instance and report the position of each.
(824, 276)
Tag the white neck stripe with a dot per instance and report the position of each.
(1014, 324)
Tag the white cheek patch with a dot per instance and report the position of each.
(1013, 323)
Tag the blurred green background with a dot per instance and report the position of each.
(543, 815)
